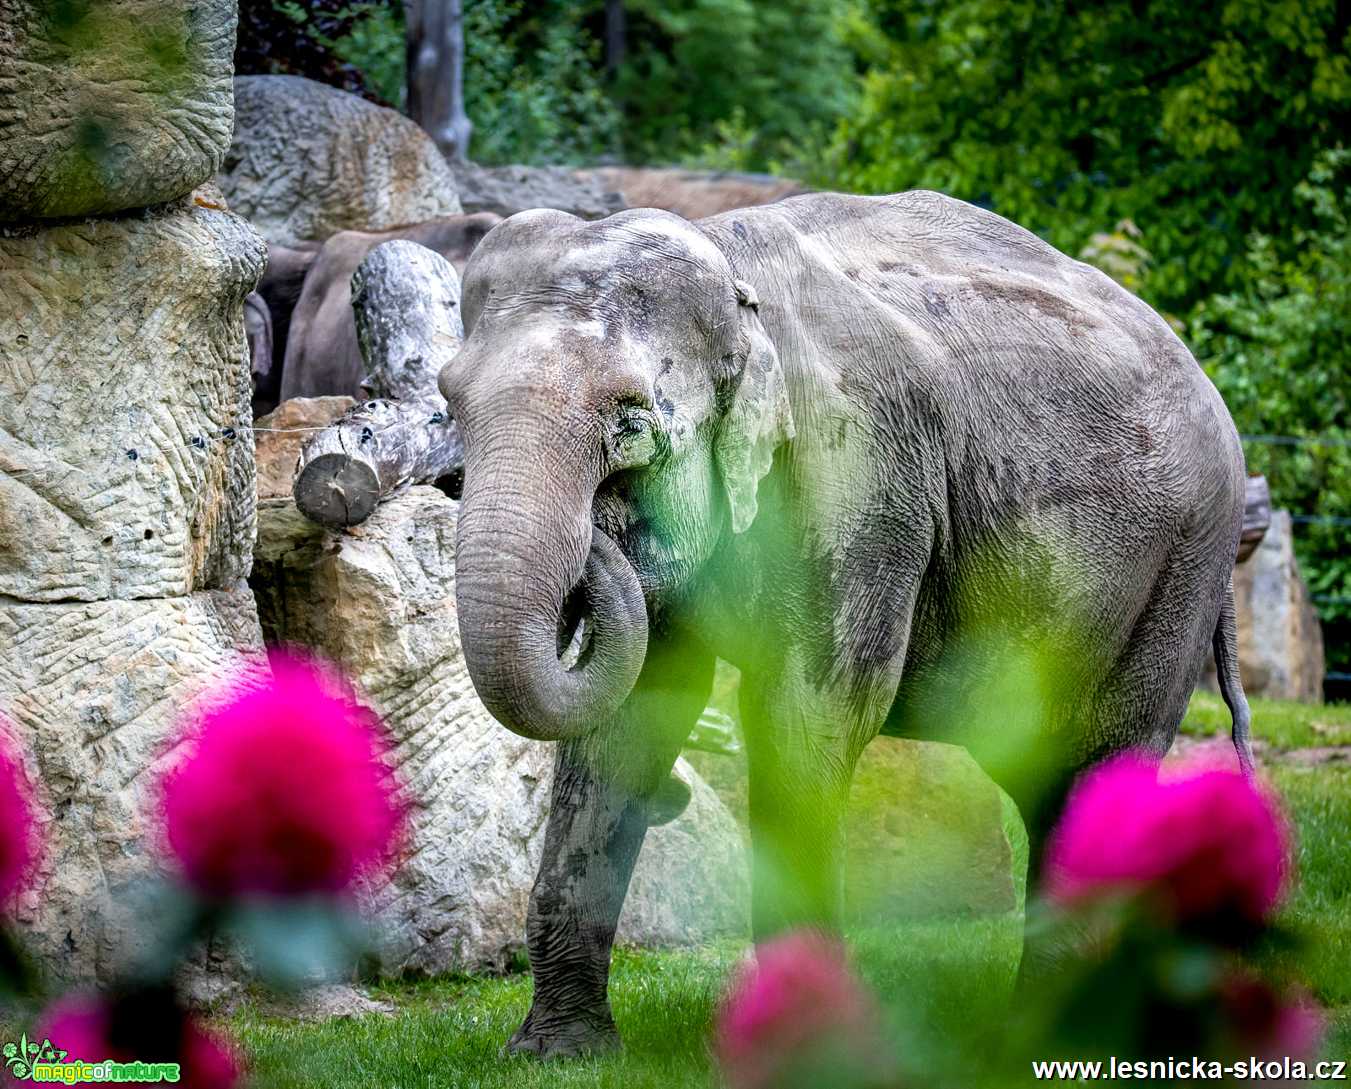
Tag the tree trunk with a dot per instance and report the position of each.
(406, 300)
(435, 52)
(616, 35)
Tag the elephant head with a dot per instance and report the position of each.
(619, 402)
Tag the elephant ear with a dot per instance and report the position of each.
(758, 418)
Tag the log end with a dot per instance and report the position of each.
(336, 490)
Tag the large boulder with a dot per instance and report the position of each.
(94, 692)
(379, 600)
(309, 160)
(124, 405)
(695, 194)
(111, 105)
(925, 835)
(1280, 642)
(507, 190)
(926, 830)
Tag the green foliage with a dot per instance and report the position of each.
(374, 45)
(1194, 122)
(1279, 349)
(739, 83)
(534, 88)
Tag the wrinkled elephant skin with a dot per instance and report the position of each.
(909, 468)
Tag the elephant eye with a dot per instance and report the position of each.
(633, 440)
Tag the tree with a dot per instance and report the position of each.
(1194, 120)
(435, 64)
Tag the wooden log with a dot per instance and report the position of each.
(406, 300)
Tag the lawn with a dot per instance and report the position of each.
(945, 984)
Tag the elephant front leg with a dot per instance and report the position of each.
(594, 835)
(606, 786)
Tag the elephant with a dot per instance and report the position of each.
(838, 441)
(321, 353)
(280, 287)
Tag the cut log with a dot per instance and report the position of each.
(406, 300)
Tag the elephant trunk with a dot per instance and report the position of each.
(528, 562)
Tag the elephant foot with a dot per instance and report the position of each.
(560, 1037)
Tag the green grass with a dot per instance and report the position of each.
(450, 1033)
(1281, 725)
(945, 985)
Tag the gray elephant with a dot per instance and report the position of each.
(837, 441)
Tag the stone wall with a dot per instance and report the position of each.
(126, 463)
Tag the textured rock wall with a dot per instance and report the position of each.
(1280, 642)
(126, 464)
(309, 160)
(122, 380)
(95, 691)
(380, 601)
(111, 105)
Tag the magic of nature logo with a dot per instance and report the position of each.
(29, 1060)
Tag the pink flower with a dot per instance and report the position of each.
(1267, 1022)
(285, 791)
(798, 1010)
(82, 1026)
(18, 822)
(1203, 839)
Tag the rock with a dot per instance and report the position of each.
(695, 194)
(283, 432)
(692, 881)
(507, 190)
(1256, 516)
(715, 732)
(1280, 642)
(309, 160)
(95, 691)
(111, 105)
(379, 600)
(126, 463)
(925, 835)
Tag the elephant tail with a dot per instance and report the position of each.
(1225, 645)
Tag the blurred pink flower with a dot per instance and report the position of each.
(796, 1009)
(19, 846)
(284, 791)
(1269, 1023)
(1203, 838)
(80, 1026)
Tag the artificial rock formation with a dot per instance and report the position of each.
(94, 693)
(126, 460)
(1280, 642)
(111, 105)
(379, 600)
(309, 160)
(507, 190)
(925, 835)
(126, 466)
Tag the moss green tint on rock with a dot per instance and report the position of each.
(111, 106)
